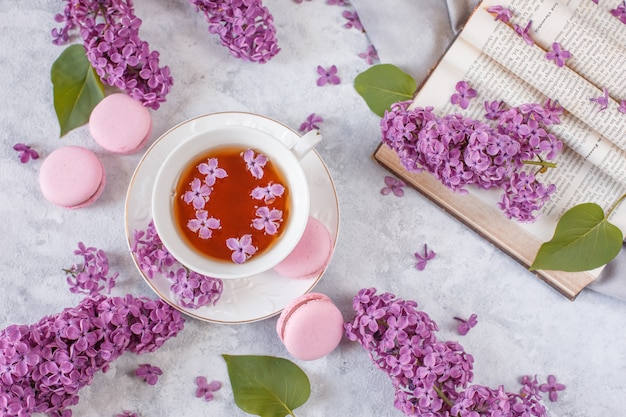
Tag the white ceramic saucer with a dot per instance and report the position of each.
(247, 299)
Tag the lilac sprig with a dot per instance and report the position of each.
(92, 275)
(110, 33)
(461, 151)
(245, 27)
(43, 366)
(192, 290)
(430, 377)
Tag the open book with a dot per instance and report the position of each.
(496, 61)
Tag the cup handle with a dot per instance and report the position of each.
(305, 143)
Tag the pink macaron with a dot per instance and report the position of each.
(310, 327)
(120, 123)
(311, 255)
(72, 177)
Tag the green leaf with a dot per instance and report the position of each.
(384, 84)
(267, 386)
(77, 88)
(583, 240)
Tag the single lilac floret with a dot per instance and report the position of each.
(370, 55)
(558, 54)
(620, 12)
(353, 20)
(148, 373)
(242, 248)
(255, 163)
(212, 171)
(602, 101)
(501, 13)
(25, 152)
(393, 185)
(464, 93)
(464, 326)
(268, 193)
(311, 123)
(127, 413)
(199, 194)
(524, 32)
(327, 76)
(203, 224)
(267, 220)
(552, 387)
(424, 257)
(206, 389)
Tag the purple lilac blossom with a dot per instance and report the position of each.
(460, 151)
(268, 193)
(558, 54)
(620, 12)
(622, 106)
(110, 33)
(336, 2)
(311, 123)
(602, 101)
(423, 258)
(198, 195)
(245, 27)
(206, 389)
(327, 76)
(268, 220)
(153, 258)
(524, 32)
(148, 373)
(254, 164)
(353, 20)
(43, 366)
(203, 224)
(552, 387)
(25, 152)
(127, 413)
(92, 275)
(393, 185)
(464, 93)
(501, 13)
(464, 326)
(242, 248)
(212, 171)
(430, 377)
(370, 55)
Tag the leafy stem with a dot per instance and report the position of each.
(443, 396)
(545, 165)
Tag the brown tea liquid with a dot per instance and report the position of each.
(230, 202)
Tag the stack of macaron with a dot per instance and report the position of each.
(73, 176)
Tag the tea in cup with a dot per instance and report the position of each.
(232, 202)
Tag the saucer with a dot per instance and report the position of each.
(243, 300)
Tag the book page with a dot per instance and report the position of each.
(591, 168)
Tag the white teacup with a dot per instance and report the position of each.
(284, 157)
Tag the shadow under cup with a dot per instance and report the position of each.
(166, 190)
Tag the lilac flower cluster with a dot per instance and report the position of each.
(193, 290)
(245, 27)
(92, 275)
(43, 366)
(461, 151)
(110, 33)
(430, 377)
